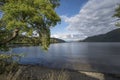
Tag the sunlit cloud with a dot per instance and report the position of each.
(69, 37)
(94, 18)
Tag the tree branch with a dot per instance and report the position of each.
(15, 34)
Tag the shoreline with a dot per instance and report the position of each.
(35, 72)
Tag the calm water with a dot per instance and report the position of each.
(100, 57)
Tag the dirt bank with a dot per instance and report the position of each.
(42, 73)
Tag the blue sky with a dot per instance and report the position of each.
(84, 18)
(67, 8)
(70, 7)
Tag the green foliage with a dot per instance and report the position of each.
(4, 34)
(45, 39)
(29, 16)
(7, 63)
(24, 40)
(4, 48)
(117, 14)
(23, 13)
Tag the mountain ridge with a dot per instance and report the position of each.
(112, 36)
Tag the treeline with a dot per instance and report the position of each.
(33, 40)
(22, 39)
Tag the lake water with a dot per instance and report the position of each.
(100, 57)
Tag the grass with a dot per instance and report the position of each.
(62, 75)
(7, 63)
(41, 73)
(11, 70)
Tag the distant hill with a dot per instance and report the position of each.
(56, 40)
(112, 36)
(33, 40)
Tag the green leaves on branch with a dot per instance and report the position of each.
(13, 24)
(37, 12)
(30, 15)
(8, 64)
(117, 14)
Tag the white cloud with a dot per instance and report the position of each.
(69, 36)
(94, 18)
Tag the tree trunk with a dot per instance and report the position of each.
(15, 34)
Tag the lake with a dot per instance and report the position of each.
(99, 57)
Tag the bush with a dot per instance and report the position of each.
(8, 63)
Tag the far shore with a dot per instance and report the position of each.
(35, 72)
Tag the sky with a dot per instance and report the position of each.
(84, 18)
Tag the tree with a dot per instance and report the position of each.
(28, 16)
(117, 14)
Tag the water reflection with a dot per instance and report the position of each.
(102, 57)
